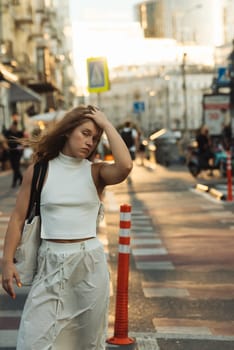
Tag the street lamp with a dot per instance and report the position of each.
(231, 75)
(151, 108)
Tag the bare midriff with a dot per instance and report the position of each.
(68, 240)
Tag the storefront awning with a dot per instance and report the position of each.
(20, 93)
(43, 87)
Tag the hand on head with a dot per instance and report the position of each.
(97, 115)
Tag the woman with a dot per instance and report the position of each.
(67, 306)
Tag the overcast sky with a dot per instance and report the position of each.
(118, 39)
(109, 10)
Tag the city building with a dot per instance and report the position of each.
(174, 98)
(228, 20)
(185, 21)
(36, 58)
(155, 97)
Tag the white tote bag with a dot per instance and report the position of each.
(27, 250)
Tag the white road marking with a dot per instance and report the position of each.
(149, 251)
(145, 241)
(155, 265)
(8, 338)
(165, 292)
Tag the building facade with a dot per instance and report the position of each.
(184, 21)
(35, 57)
(155, 97)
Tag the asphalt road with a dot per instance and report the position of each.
(181, 286)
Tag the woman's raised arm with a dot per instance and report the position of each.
(118, 170)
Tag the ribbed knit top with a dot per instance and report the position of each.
(69, 200)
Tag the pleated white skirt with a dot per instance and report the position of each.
(67, 306)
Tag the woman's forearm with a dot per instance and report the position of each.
(17, 219)
(118, 147)
(12, 239)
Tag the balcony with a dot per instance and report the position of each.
(22, 20)
(22, 16)
(41, 77)
(6, 53)
(42, 86)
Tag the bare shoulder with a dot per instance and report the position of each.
(24, 192)
(28, 174)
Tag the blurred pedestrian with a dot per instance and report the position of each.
(67, 306)
(227, 136)
(204, 142)
(142, 149)
(205, 150)
(13, 134)
(130, 136)
(4, 153)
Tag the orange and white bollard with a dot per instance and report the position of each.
(229, 176)
(121, 310)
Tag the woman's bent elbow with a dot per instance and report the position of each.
(123, 171)
(128, 168)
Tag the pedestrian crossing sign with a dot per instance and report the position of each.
(223, 79)
(98, 75)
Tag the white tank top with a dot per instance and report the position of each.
(69, 200)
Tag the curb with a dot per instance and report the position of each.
(212, 191)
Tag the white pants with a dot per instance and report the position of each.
(67, 306)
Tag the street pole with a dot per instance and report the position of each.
(99, 100)
(184, 87)
(167, 102)
(229, 151)
(231, 74)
